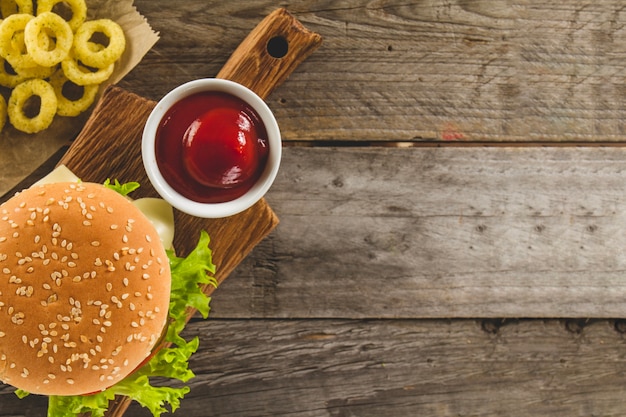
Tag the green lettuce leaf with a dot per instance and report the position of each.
(123, 189)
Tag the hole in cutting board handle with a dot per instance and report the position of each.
(277, 47)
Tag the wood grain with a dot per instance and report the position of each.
(262, 67)
(439, 233)
(373, 368)
(368, 299)
(512, 71)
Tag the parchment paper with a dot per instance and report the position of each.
(21, 153)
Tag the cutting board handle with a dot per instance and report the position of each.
(270, 53)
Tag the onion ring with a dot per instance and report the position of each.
(18, 43)
(36, 72)
(17, 56)
(60, 30)
(106, 56)
(9, 7)
(81, 75)
(67, 106)
(9, 78)
(48, 108)
(78, 7)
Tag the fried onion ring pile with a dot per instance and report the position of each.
(42, 52)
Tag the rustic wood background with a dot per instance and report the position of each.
(453, 213)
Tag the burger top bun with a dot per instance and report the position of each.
(84, 289)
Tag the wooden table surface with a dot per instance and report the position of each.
(452, 205)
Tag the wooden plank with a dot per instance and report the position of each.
(419, 71)
(439, 233)
(378, 368)
(110, 144)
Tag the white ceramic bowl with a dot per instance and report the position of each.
(211, 210)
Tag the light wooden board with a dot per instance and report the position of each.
(438, 233)
(377, 368)
(514, 70)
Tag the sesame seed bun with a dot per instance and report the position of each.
(84, 289)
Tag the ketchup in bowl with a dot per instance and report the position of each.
(211, 147)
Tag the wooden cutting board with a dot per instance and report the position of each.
(109, 145)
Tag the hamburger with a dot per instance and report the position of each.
(92, 302)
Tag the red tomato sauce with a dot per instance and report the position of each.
(211, 147)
